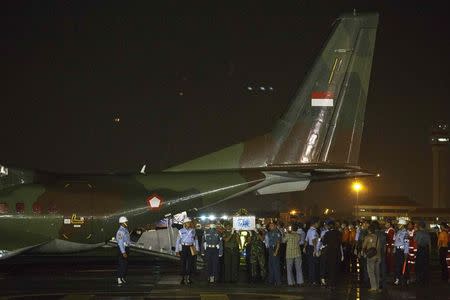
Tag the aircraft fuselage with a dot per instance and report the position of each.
(85, 210)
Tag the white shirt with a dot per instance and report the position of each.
(311, 235)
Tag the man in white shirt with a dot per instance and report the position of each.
(312, 237)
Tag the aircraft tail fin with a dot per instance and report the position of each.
(325, 121)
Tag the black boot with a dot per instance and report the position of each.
(182, 280)
(188, 280)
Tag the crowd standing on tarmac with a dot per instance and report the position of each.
(314, 253)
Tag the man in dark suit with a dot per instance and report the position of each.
(332, 242)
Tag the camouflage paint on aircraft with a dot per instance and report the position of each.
(313, 141)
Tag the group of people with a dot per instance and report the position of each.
(314, 253)
(374, 250)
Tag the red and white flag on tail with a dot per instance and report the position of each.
(321, 99)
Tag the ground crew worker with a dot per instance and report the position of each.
(231, 254)
(123, 241)
(257, 254)
(442, 245)
(186, 247)
(293, 256)
(273, 242)
(212, 249)
(423, 242)
(390, 232)
(401, 249)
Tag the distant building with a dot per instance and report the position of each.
(385, 207)
(393, 207)
(431, 215)
(440, 140)
(295, 215)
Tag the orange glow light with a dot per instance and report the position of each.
(357, 186)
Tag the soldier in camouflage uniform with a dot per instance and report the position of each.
(257, 253)
(231, 254)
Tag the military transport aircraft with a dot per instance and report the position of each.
(318, 138)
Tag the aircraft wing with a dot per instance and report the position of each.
(12, 246)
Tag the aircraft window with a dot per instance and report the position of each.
(20, 208)
(37, 208)
(4, 208)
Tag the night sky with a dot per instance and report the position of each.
(176, 76)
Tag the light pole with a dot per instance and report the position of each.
(357, 186)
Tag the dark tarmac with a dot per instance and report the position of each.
(88, 276)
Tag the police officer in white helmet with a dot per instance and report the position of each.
(123, 241)
(186, 247)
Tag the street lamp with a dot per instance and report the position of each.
(357, 186)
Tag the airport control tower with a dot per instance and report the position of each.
(441, 165)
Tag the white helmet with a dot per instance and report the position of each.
(187, 220)
(123, 220)
(401, 221)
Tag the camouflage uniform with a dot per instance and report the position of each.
(231, 256)
(257, 256)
